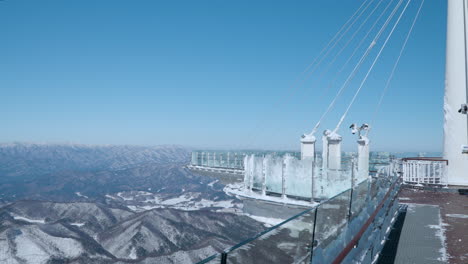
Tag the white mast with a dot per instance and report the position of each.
(455, 124)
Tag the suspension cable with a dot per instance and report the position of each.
(332, 82)
(327, 68)
(358, 65)
(338, 40)
(345, 25)
(371, 68)
(387, 84)
(316, 62)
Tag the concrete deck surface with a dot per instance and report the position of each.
(422, 240)
(453, 209)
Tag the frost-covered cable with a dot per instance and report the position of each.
(345, 25)
(371, 68)
(327, 68)
(387, 85)
(332, 82)
(358, 65)
(336, 42)
(301, 79)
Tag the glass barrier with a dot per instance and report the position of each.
(298, 177)
(329, 226)
(289, 242)
(359, 198)
(274, 170)
(332, 219)
(257, 168)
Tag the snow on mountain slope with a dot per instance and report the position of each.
(37, 232)
(164, 231)
(93, 217)
(139, 201)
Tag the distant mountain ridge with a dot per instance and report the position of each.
(58, 171)
(29, 160)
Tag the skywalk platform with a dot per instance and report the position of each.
(435, 229)
(422, 239)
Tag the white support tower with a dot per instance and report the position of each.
(455, 124)
(331, 154)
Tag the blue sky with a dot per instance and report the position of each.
(209, 74)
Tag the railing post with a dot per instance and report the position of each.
(252, 171)
(223, 258)
(403, 165)
(313, 236)
(351, 190)
(264, 175)
(283, 180)
(312, 182)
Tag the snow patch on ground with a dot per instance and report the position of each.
(124, 198)
(440, 233)
(267, 221)
(32, 247)
(190, 201)
(133, 254)
(81, 195)
(457, 215)
(35, 221)
(77, 224)
(212, 183)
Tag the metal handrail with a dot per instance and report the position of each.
(426, 159)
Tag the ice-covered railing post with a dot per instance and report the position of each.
(308, 155)
(264, 175)
(331, 155)
(248, 173)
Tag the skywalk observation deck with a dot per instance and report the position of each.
(350, 226)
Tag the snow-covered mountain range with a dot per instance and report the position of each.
(112, 204)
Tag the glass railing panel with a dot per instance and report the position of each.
(223, 160)
(257, 163)
(332, 219)
(274, 172)
(289, 242)
(216, 159)
(329, 182)
(359, 197)
(204, 160)
(298, 177)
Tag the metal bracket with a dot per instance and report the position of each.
(465, 149)
(463, 109)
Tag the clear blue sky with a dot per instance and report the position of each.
(207, 73)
